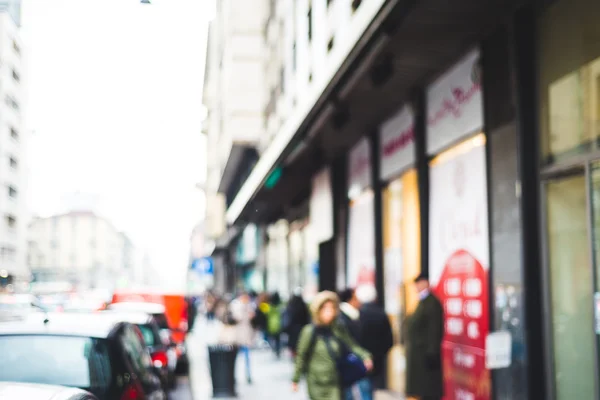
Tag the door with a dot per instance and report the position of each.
(570, 287)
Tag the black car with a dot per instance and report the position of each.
(93, 352)
(162, 351)
(20, 391)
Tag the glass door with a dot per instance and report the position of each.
(571, 288)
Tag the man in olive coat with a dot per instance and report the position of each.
(424, 332)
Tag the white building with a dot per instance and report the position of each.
(13, 146)
(80, 247)
(234, 94)
(301, 45)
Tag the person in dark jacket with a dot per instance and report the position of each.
(424, 332)
(297, 317)
(376, 336)
(350, 312)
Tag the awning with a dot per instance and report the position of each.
(373, 13)
(406, 45)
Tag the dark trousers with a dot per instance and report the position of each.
(431, 398)
(275, 341)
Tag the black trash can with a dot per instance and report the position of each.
(222, 369)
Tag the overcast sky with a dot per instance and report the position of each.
(115, 101)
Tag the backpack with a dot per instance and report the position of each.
(349, 366)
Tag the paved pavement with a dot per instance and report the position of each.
(271, 377)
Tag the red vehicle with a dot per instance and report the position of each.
(170, 310)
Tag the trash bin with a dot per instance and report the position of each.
(222, 369)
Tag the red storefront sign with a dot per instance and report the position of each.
(463, 291)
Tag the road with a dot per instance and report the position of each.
(183, 391)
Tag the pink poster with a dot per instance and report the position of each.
(459, 260)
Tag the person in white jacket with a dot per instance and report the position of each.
(242, 312)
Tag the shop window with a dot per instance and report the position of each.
(569, 79)
(570, 276)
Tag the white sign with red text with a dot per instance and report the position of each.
(454, 104)
(359, 168)
(458, 268)
(397, 144)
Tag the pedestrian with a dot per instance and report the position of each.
(297, 317)
(242, 312)
(424, 332)
(320, 347)
(350, 312)
(376, 336)
(274, 323)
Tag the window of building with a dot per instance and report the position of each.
(12, 192)
(14, 134)
(329, 2)
(356, 4)
(11, 102)
(294, 56)
(16, 76)
(310, 24)
(310, 77)
(13, 162)
(16, 47)
(330, 44)
(569, 73)
(11, 221)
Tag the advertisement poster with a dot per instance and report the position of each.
(459, 260)
(454, 104)
(361, 241)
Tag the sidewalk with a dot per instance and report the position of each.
(271, 377)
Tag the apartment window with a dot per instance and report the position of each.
(294, 56)
(310, 25)
(330, 44)
(16, 76)
(16, 47)
(11, 221)
(356, 4)
(14, 134)
(12, 192)
(13, 162)
(11, 102)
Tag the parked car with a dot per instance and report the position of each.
(162, 315)
(164, 356)
(92, 352)
(30, 391)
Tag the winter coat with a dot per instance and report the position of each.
(298, 317)
(376, 335)
(424, 332)
(274, 319)
(320, 369)
(242, 313)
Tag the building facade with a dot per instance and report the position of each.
(456, 139)
(81, 248)
(13, 144)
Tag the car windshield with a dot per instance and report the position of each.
(148, 335)
(59, 360)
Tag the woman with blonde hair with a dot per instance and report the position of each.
(320, 346)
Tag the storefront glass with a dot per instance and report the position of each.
(361, 240)
(401, 264)
(571, 296)
(569, 72)
(361, 226)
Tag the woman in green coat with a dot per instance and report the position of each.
(313, 358)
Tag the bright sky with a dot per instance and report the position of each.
(115, 101)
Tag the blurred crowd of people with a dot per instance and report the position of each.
(253, 320)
